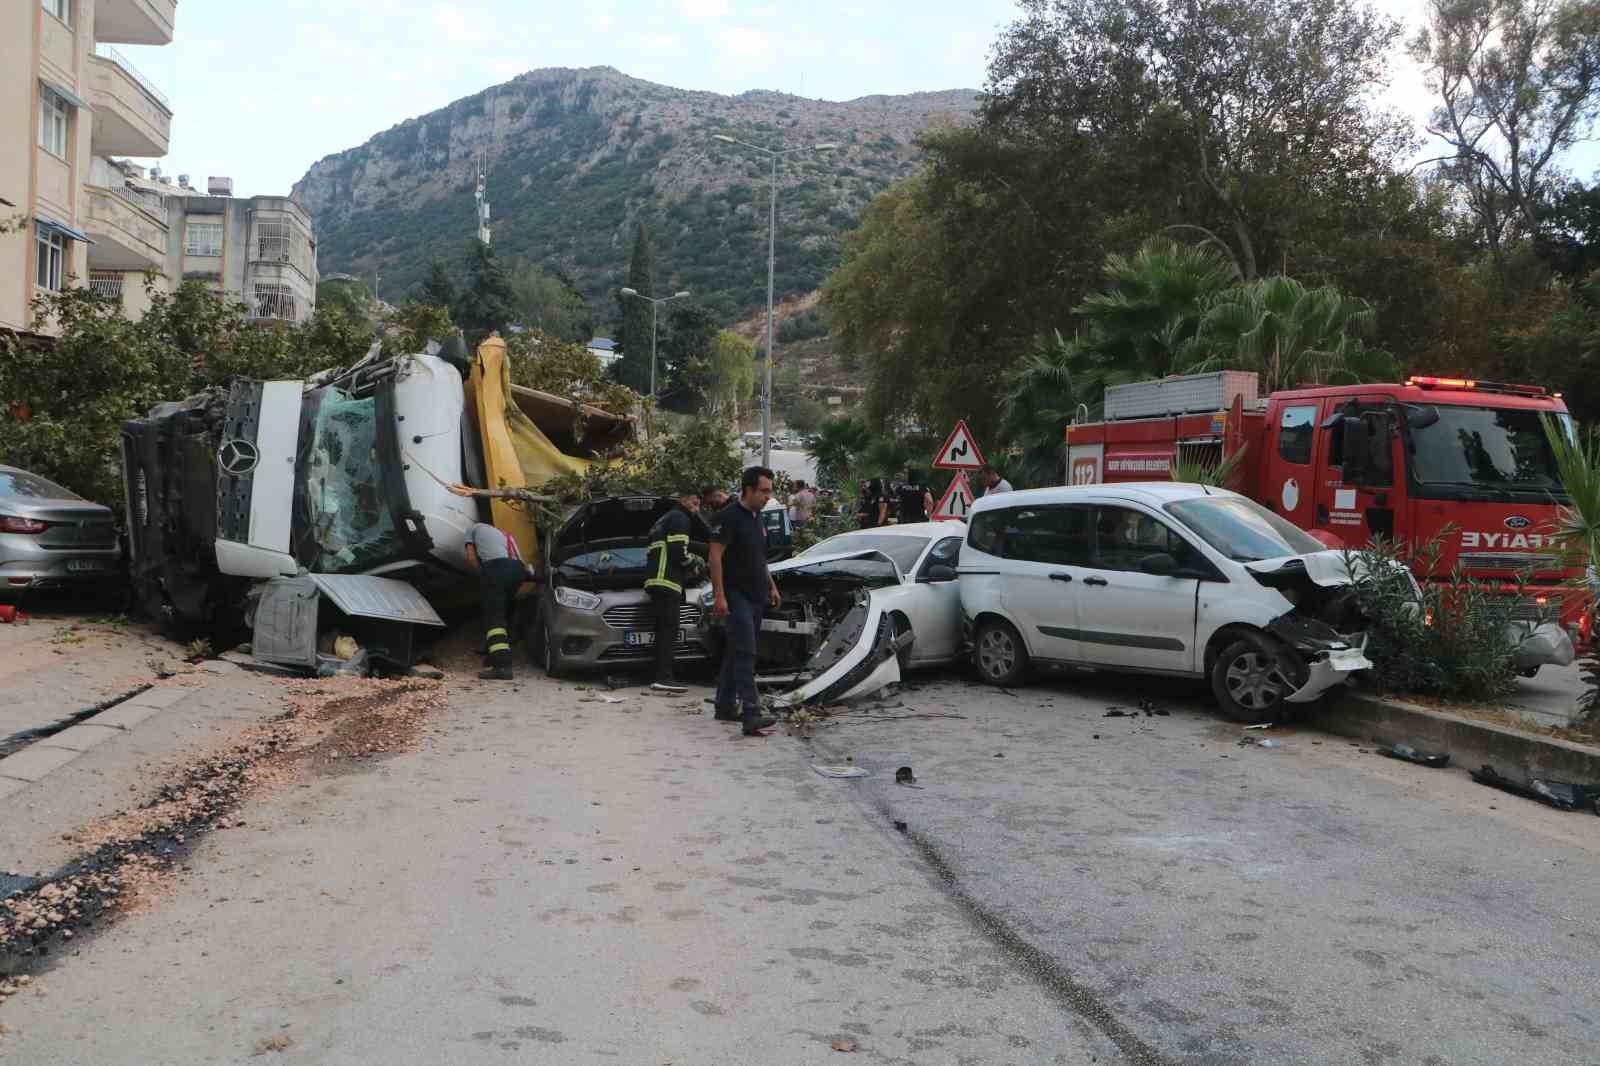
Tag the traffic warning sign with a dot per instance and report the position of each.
(956, 502)
(960, 451)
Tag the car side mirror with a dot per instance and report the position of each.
(939, 572)
(1422, 417)
(1161, 564)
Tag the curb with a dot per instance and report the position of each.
(44, 757)
(1470, 743)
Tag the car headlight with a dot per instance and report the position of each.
(577, 599)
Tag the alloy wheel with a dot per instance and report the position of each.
(1256, 681)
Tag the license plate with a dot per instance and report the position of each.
(639, 638)
(86, 564)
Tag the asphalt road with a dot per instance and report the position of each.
(556, 878)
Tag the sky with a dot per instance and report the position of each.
(260, 92)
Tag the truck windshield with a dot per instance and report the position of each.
(1499, 449)
(341, 523)
(1243, 530)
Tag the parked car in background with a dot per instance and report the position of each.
(1160, 578)
(593, 609)
(52, 537)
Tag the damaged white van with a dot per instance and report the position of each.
(1159, 578)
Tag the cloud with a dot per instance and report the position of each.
(703, 9)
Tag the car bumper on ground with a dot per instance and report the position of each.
(1327, 670)
(1546, 644)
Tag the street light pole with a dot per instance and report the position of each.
(772, 257)
(655, 305)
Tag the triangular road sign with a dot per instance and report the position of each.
(960, 451)
(956, 502)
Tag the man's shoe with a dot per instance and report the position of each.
(668, 687)
(754, 726)
(495, 673)
(727, 714)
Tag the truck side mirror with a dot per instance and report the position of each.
(1357, 450)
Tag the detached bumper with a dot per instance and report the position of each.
(1327, 670)
(1541, 645)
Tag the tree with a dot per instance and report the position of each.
(553, 365)
(547, 301)
(436, 290)
(730, 375)
(1041, 398)
(835, 447)
(688, 331)
(413, 324)
(1291, 335)
(487, 302)
(350, 295)
(1516, 81)
(634, 338)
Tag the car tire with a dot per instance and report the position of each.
(544, 643)
(999, 654)
(902, 624)
(1250, 679)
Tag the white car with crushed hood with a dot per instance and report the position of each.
(1160, 578)
(861, 607)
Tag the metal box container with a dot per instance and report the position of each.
(1181, 395)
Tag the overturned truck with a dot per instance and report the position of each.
(344, 475)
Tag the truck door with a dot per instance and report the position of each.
(1290, 485)
(1358, 507)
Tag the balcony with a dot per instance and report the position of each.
(131, 116)
(130, 231)
(135, 21)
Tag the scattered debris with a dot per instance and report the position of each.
(904, 776)
(599, 697)
(1260, 725)
(271, 1043)
(999, 755)
(843, 1045)
(1117, 712)
(1562, 795)
(900, 825)
(1409, 754)
(11, 614)
(839, 771)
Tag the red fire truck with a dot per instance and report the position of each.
(1463, 460)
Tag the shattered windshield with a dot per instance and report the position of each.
(1243, 530)
(1499, 449)
(342, 522)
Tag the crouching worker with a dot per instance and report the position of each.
(669, 562)
(501, 572)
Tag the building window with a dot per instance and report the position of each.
(52, 260)
(107, 283)
(54, 115)
(61, 9)
(274, 240)
(202, 238)
(274, 301)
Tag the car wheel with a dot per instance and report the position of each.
(545, 644)
(999, 653)
(905, 637)
(1250, 679)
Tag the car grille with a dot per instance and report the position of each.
(642, 616)
(1510, 561)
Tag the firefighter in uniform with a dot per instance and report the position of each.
(668, 562)
(501, 572)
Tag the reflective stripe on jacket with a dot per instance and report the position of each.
(669, 551)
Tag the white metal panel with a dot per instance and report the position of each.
(246, 560)
(366, 596)
(272, 494)
(1183, 394)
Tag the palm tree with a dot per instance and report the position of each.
(835, 446)
(1042, 393)
(1290, 335)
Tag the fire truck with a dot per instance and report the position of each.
(1456, 459)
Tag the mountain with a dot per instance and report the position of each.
(575, 157)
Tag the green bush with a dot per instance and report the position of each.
(1448, 638)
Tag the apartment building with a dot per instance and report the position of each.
(69, 102)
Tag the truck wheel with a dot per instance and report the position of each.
(999, 654)
(1250, 679)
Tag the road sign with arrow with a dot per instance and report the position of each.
(960, 451)
(956, 502)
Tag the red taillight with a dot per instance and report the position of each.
(8, 524)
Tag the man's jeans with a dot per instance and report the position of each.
(737, 683)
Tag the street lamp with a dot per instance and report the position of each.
(655, 303)
(772, 249)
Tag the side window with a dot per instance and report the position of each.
(945, 553)
(1123, 536)
(986, 531)
(1295, 434)
(1057, 535)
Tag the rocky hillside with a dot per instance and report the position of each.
(576, 156)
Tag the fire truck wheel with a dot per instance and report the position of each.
(999, 653)
(1250, 679)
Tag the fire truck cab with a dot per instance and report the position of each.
(1461, 460)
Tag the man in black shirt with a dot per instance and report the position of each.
(915, 499)
(742, 588)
